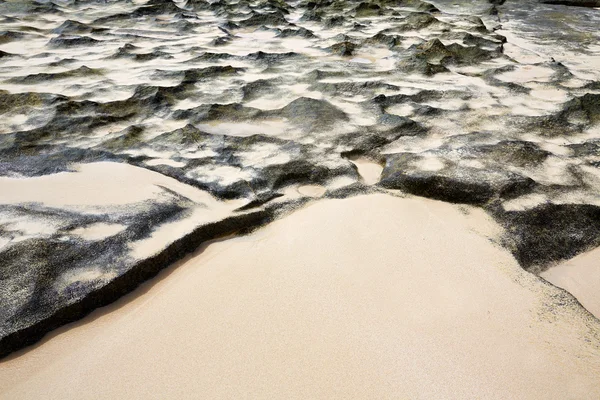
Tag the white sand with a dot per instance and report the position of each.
(369, 171)
(365, 298)
(312, 190)
(95, 184)
(98, 231)
(581, 277)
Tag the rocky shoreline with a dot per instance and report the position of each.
(122, 120)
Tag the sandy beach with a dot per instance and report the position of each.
(299, 199)
(369, 297)
(581, 277)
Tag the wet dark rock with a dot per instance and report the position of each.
(452, 183)
(352, 88)
(427, 7)
(370, 139)
(416, 21)
(186, 136)
(343, 49)
(468, 55)
(314, 15)
(63, 62)
(130, 138)
(367, 10)
(585, 109)
(269, 19)
(300, 32)
(260, 199)
(43, 77)
(435, 52)
(210, 56)
(256, 89)
(574, 3)
(221, 41)
(514, 152)
(9, 36)
(152, 9)
(225, 112)
(272, 57)
(199, 74)
(421, 66)
(317, 74)
(12, 101)
(342, 38)
(390, 41)
(313, 114)
(152, 98)
(591, 148)
(472, 40)
(395, 126)
(63, 41)
(551, 232)
(44, 160)
(575, 115)
(332, 22)
(595, 85)
(70, 27)
(229, 26)
(152, 56)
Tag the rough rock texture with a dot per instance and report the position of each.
(130, 133)
(575, 3)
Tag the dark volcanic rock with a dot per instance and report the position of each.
(300, 32)
(367, 10)
(390, 41)
(62, 41)
(70, 27)
(269, 19)
(575, 3)
(585, 108)
(552, 232)
(313, 114)
(198, 74)
(343, 48)
(226, 112)
(257, 89)
(575, 115)
(42, 77)
(450, 182)
(435, 52)
(420, 65)
(9, 36)
(517, 153)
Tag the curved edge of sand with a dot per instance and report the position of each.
(368, 297)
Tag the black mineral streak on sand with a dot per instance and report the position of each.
(249, 100)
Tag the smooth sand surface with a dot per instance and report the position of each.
(581, 277)
(369, 171)
(94, 185)
(370, 297)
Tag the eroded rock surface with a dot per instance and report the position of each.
(132, 132)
